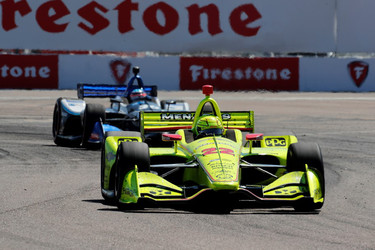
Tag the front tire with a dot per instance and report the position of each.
(130, 154)
(300, 154)
(111, 199)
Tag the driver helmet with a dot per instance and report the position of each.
(137, 94)
(209, 125)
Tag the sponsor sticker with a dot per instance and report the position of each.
(177, 116)
(186, 116)
(275, 142)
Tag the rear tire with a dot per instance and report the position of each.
(300, 154)
(130, 154)
(93, 113)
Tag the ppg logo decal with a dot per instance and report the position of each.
(275, 142)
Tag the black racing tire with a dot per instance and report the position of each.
(130, 154)
(108, 199)
(93, 113)
(56, 123)
(300, 154)
(303, 153)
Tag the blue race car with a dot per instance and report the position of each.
(76, 122)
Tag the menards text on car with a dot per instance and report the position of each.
(186, 116)
(55, 17)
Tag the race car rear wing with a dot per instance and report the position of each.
(172, 121)
(105, 90)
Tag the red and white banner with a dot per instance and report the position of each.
(190, 73)
(28, 72)
(274, 74)
(171, 26)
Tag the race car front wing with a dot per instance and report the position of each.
(286, 190)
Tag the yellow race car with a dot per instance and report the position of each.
(211, 160)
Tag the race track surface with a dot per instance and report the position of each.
(50, 195)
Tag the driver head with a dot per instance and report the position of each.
(209, 125)
(137, 95)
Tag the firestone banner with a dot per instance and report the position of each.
(29, 72)
(274, 74)
(172, 26)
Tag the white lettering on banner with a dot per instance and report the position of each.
(359, 72)
(27, 72)
(238, 74)
(177, 116)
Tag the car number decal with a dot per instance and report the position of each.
(209, 151)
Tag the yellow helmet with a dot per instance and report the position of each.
(209, 125)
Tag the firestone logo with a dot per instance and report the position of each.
(25, 72)
(120, 70)
(160, 18)
(200, 72)
(358, 71)
(28, 71)
(275, 74)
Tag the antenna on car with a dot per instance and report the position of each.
(136, 70)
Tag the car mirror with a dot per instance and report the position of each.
(254, 137)
(169, 102)
(172, 137)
